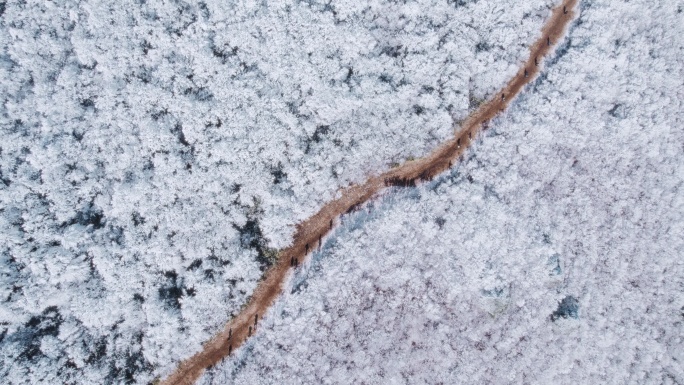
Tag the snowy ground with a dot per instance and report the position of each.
(155, 154)
(554, 254)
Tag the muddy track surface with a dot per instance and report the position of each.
(310, 232)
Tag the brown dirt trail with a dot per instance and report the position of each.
(313, 229)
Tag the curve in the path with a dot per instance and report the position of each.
(310, 232)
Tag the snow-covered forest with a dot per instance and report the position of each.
(157, 154)
(553, 254)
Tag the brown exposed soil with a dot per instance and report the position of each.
(310, 232)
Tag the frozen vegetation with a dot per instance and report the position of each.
(552, 255)
(155, 154)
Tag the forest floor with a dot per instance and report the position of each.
(310, 232)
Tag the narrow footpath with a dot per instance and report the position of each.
(310, 232)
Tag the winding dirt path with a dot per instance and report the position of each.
(310, 232)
